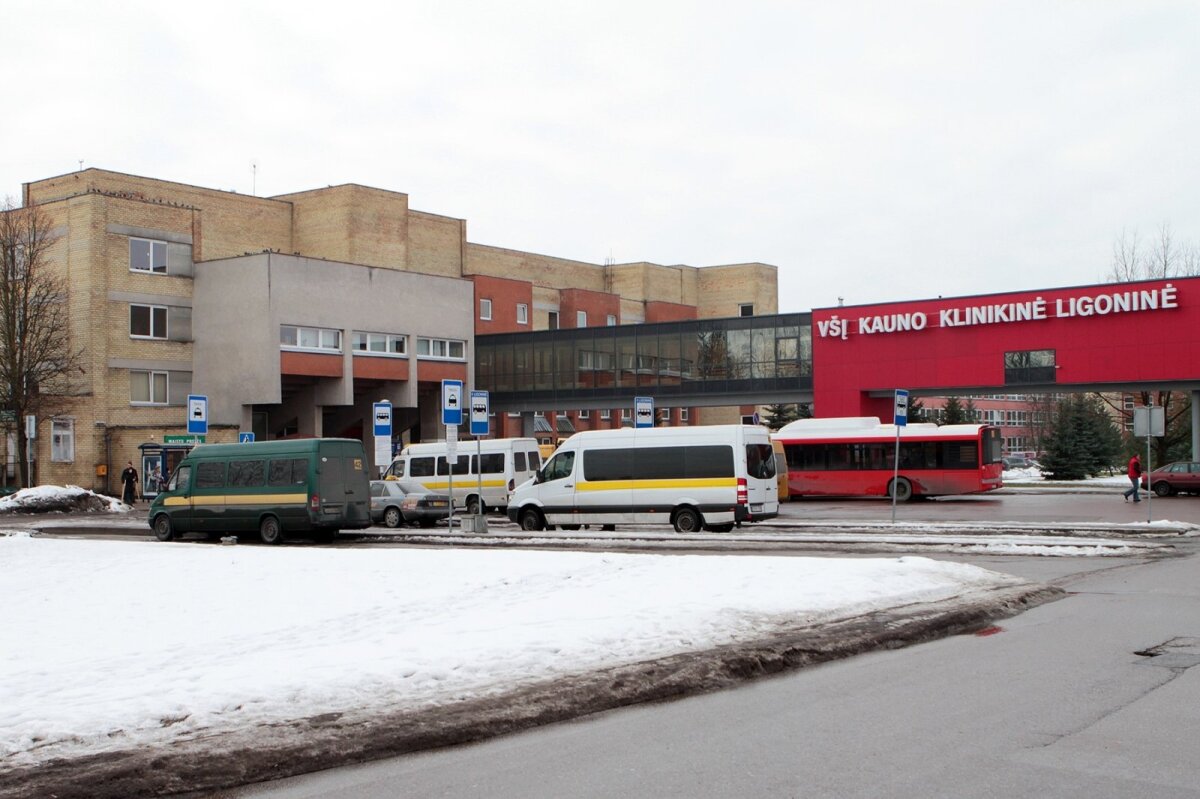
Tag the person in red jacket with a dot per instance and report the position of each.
(1135, 476)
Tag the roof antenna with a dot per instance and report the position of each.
(254, 178)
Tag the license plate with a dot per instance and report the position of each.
(756, 508)
(438, 504)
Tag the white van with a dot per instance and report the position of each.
(709, 477)
(506, 463)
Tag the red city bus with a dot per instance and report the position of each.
(855, 457)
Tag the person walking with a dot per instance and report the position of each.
(1135, 476)
(129, 484)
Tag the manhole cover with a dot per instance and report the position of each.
(1177, 653)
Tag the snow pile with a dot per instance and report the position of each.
(59, 499)
(117, 644)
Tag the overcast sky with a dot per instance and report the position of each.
(872, 151)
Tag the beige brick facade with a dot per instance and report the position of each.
(97, 213)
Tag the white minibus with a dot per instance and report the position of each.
(503, 463)
(709, 477)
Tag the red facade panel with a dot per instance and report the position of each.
(1115, 333)
(437, 371)
(377, 368)
(505, 295)
(597, 305)
(311, 364)
(669, 312)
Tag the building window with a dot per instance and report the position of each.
(62, 440)
(552, 320)
(448, 349)
(626, 414)
(147, 255)
(485, 309)
(292, 337)
(585, 414)
(606, 414)
(746, 309)
(683, 414)
(363, 343)
(522, 313)
(147, 388)
(581, 319)
(1029, 366)
(148, 321)
(611, 320)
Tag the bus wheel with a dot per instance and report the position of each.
(269, 530)
(902, 488)
(475, 505)
(391, 517)
(531, 520)
(687, 520)
(163, 530)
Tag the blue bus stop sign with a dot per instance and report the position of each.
(901, 407)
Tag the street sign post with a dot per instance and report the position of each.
(382, 423)
(900, 415)
(1149, 421)
(643, 411)
(452, 402)
(197, 417)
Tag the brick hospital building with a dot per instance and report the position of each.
(293, 314)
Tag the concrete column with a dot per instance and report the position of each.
(1196, 425)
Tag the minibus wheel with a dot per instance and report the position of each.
(270, 531)
(687, 520)
(475, 506)
(163, 530)
(902, 489)
(531, 520)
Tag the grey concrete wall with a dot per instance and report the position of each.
(240, 303)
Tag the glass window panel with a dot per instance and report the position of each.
(139, 320)
(457, 349)
(159, 257)
(139, 255)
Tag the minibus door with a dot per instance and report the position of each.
(557, 488)
(179, 489)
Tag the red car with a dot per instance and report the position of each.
(1174, 478)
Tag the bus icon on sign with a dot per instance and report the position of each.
(452, 400)
(479, 409)
(645, 414)
(382, 416)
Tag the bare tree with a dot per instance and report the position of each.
(1127, 257)
(37, 362)
(1164, 258)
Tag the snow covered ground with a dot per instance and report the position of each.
(117, 644)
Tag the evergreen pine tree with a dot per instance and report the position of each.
(777, 415)
(953, 412)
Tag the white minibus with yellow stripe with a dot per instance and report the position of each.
(707, 477)
(502, 463)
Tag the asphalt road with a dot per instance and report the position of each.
(1056, 703)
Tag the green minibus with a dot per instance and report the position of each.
(315, 486)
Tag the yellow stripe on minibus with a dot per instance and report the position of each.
(237, 499)
(466, 481)
(695, 482)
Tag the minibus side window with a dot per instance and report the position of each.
(288, 471)
(181, 478)
(559, 466)
(760, 461)
(210, 474)
(518, 461)
(247, 473)
(493, 463)
(420, 467)
(461, 463)
(535, 461)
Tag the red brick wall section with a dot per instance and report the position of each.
(437, 371)
(505, 295)
(377, 368)
(310, 363)
(669, 312)
(597, 304)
